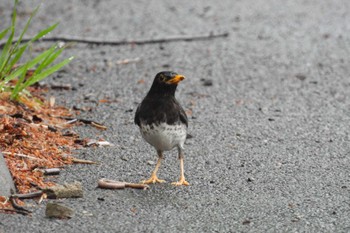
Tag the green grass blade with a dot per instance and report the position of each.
(47, 72)
(6, 52)
(16, 58)
(4, 33)
(49, 59)
(45, 63)
(5, 55)
(44, 32)
(27, 25)
(30, 64)
(12, 52)
(19, 84)
(14, 14)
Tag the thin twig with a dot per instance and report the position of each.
(27, 195)
(124, 42)
(83, 161)
(21, 155)
(136, 186)
(6, 210)
(51, 171)
(97, 125)
(93, 142)
(18, 208)
(42, 197)
(127, 61)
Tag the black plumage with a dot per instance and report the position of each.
(163, 122)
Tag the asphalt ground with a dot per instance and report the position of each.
(270, 148)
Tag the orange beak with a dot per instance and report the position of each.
(176, 79)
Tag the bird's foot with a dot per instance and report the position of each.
(182, 181)
(154, 179)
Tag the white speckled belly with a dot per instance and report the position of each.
(163, 136)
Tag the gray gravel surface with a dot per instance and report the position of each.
(270, 148)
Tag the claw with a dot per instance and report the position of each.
(181, 182)
(154, 179)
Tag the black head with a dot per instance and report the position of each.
(166, 82)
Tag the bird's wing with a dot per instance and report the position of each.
(137, 116)
(183, 116)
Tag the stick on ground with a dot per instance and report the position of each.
(126, 42)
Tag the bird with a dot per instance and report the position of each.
(163, 122)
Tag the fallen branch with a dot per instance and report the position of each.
(125, 42)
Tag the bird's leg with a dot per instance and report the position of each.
(182, 180)
(154, 178)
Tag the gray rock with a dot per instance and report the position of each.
(6, 182)
(72, 190)
(56, 210)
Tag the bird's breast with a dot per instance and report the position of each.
(164, 136)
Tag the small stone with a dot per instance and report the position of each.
(56, 210)
(150, 162)
(326, 35)
(250, 179)
(301, 77)
(207, 82)
(87, 213)
(124, 158)
(246, 222)
(6, 182)
(296, 218)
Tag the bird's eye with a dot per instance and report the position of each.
(162, 78)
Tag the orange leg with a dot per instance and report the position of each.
(182, 180)
(154, 178)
